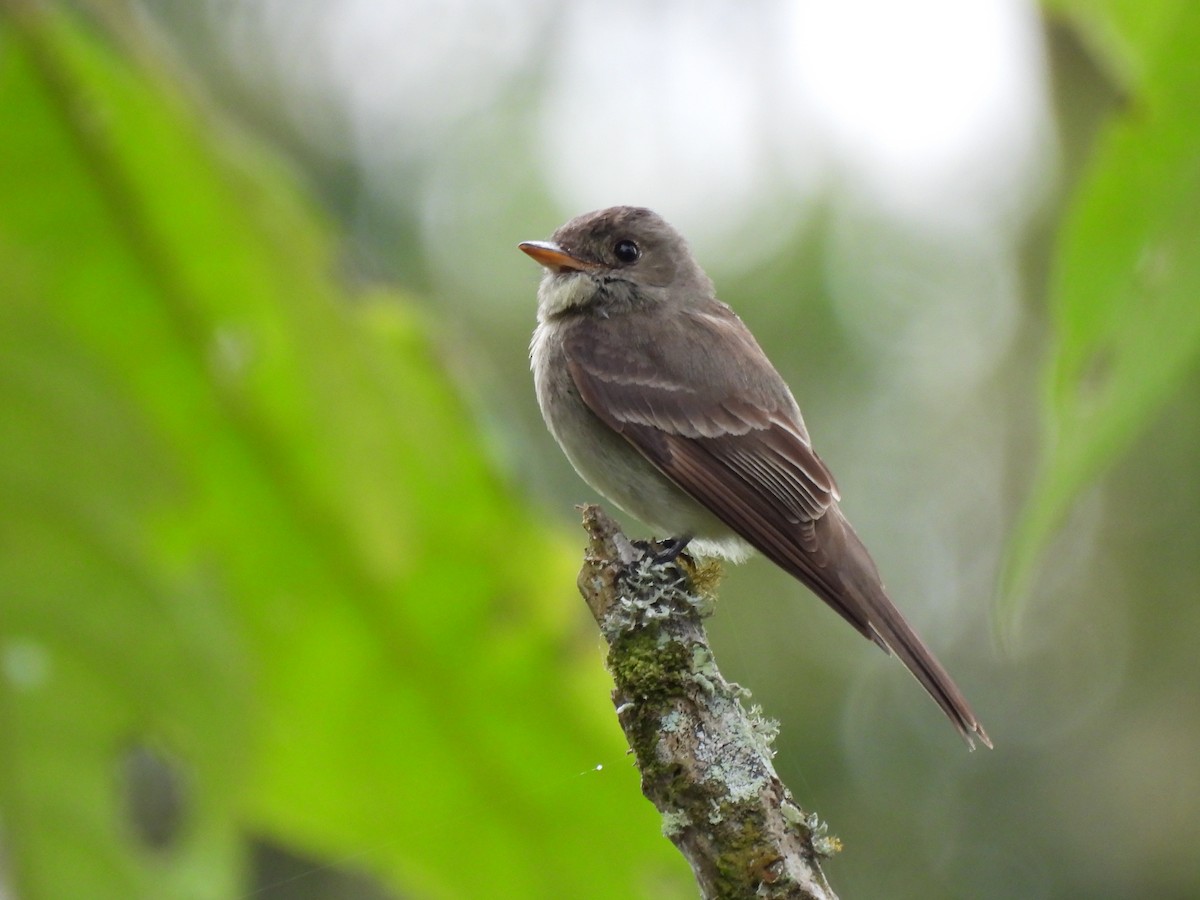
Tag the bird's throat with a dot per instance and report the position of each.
(563, 292)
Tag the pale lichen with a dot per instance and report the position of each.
(673, 824)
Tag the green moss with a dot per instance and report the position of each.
(705, 577)
(737, 866)
(645, 670)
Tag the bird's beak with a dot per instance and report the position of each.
(554, 257)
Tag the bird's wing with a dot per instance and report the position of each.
(730, 436)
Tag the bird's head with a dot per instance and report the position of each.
(623, 255)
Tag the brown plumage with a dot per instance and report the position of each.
(665, 403)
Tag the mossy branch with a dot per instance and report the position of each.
(705, 759)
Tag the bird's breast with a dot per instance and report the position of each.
(611, 465)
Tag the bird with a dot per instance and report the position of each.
(666, 405)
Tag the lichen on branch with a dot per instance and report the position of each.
(704, 758)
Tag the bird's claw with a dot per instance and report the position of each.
(661, 553)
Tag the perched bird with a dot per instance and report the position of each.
(664, 402)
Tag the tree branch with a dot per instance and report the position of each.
(705, 760)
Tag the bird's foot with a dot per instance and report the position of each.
(663, 552)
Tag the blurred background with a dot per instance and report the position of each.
(289, 556)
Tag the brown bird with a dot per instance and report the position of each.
(664, 402)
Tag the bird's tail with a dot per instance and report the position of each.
(887, 627)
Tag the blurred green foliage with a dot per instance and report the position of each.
(246, 530)
(1126, 286)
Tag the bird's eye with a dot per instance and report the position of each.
(626, 251)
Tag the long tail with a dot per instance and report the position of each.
(852, 586)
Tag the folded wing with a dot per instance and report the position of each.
(732, 438)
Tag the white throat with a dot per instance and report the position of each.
(560, 292)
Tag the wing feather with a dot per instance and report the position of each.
(732, 437)
(734, 441)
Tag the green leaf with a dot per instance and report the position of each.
(1126, 293)
(246, 523)
(1123, 34)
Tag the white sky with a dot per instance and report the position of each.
(705, 109)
